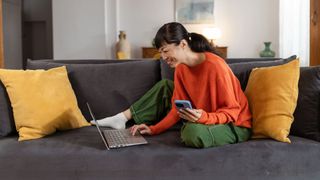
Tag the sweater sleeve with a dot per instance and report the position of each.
(172, 117)
(228, 107)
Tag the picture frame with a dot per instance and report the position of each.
(194, 11)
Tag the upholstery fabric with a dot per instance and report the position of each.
(242, 70)
(242, 60)
(272, 94)
(42, 101)
(307, 116)
(7, 126)
(109, 87)
(166, 71)
(80, 154)
(241, 67)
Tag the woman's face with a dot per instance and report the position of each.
(172, 54)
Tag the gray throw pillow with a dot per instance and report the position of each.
(242, 60)
(7, 125)
(242, 70)
(241, 67)
(166, 71)
(307, 115)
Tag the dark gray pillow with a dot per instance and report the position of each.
(32, 64)
(242, 70)
(166, 71)
(307, 116)
(7, 125)
(241, 67)
(242, 60)
(108, 87)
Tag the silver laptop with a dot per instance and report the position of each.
(113, 138)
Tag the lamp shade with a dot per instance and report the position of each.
(212, 33)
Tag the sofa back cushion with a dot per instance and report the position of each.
(242, 60)
(108, 87)
(242, 70)
(7, 125)
(241, 67)
(307, 114)
(42, 102)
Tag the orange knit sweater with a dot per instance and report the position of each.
(210, 86)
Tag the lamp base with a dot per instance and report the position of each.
(212, 43)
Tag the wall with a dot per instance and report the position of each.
(12, 39)
(111, 26)
(245, 24)
(142, 22)
(80, 27)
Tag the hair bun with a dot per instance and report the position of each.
(189, 36)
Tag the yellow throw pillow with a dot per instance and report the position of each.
(42, 101)
(272, 93)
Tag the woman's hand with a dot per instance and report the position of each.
(142, 128)
(191, 115)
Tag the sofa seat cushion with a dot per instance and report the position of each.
(80, 154)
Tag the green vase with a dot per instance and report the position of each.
(267, 52)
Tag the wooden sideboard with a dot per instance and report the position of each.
(151, 52)
(223, 51)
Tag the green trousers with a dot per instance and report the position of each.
(156, 103)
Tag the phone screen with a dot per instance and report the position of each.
(183, 104)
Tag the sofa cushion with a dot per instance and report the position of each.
(242, 60)
(36, 64)
(80, 154)
(307, 114)
(42, 101)
(108, 87)
(166, 71)
(241, 67)
(242, 70)
(272, 94)
(7, 126)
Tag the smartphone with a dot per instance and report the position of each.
(182, 104)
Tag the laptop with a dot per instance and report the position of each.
(113, 138)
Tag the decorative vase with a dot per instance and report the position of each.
(267, 52)
(123, 50)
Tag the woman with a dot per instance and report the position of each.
(221, 114)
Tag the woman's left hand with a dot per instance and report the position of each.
(191, 115)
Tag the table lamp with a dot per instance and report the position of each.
(212, 34)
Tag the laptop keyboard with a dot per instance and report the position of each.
(116, 138)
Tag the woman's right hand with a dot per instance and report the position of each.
(142, 128)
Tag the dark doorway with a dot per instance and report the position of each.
(37, 30)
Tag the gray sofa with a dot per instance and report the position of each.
(111, 86)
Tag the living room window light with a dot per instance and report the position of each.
(294, 36)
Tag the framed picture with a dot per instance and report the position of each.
(194, 11)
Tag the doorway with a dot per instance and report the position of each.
(37, 35)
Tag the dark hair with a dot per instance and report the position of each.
(175, 32)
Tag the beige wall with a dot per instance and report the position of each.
(245, 25)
